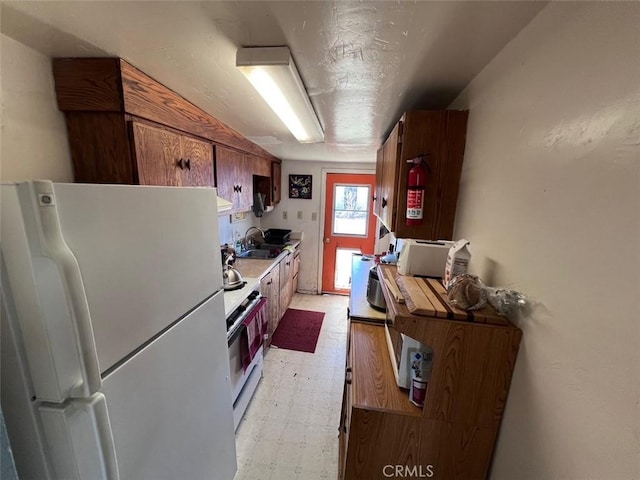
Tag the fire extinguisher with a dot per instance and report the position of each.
(415, 191)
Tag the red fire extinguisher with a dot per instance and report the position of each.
(415, 191)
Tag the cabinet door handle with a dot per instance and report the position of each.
(240, 188)
(236, 188)
(384, 202)
(180, 164)
(348, 370)
(187, 162)
(347, 378)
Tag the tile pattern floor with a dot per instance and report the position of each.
(290, 430)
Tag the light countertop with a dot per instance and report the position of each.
(233, 298)
(359, 308)
(252, 271)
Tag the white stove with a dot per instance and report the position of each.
(237, 305)
(233, 298)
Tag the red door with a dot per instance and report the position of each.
(349, 226)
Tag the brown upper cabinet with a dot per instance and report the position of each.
(125, 127)
(167, 158)
(440, 136)
(234, 178)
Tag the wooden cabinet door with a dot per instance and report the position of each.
(377, 196)
(245, 183)
(157, 154)
(286, 269)
(295, 270)
(229, 164)
(198, 158)
(234, 180)
(390, 168)
(276, 178)
(270, 288)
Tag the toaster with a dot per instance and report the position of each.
(423, 257)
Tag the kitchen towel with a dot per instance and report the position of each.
(255, 327)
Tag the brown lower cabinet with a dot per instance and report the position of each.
(286, 269)
(383, 435)
(295, 271)
(270, 288)
(279, 285)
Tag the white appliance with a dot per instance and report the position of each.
(114, 358)
(423, 257)
(244, 381)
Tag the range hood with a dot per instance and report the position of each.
(224, 206)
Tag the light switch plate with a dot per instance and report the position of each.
(314, 216)
(284, 215)
(299, 214)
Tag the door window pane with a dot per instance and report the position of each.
(351, 210)
(342, 277)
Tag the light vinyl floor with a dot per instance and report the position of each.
(290, 430)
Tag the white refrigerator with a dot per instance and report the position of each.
(114, 350)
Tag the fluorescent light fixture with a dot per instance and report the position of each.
(273, 74)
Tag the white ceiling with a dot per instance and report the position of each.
(363, 62)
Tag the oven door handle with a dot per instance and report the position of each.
(238, 331)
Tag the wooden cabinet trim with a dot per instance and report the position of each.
(114, 85)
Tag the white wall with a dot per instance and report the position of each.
(34, 136)
(550, 198)
(309, 256)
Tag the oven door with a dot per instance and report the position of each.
(246, 358)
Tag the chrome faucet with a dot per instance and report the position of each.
(252, 228)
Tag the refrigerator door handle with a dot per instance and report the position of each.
(54, 246)
(79, 437)
(103, 429)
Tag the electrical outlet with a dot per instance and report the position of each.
(314, 216)
(284, 215)
(299, 214)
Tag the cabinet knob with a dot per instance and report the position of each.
(236, 188)
(180, 164)
(240, 188)
(347, 378)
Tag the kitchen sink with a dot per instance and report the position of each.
(257, 253)
(271, 246)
